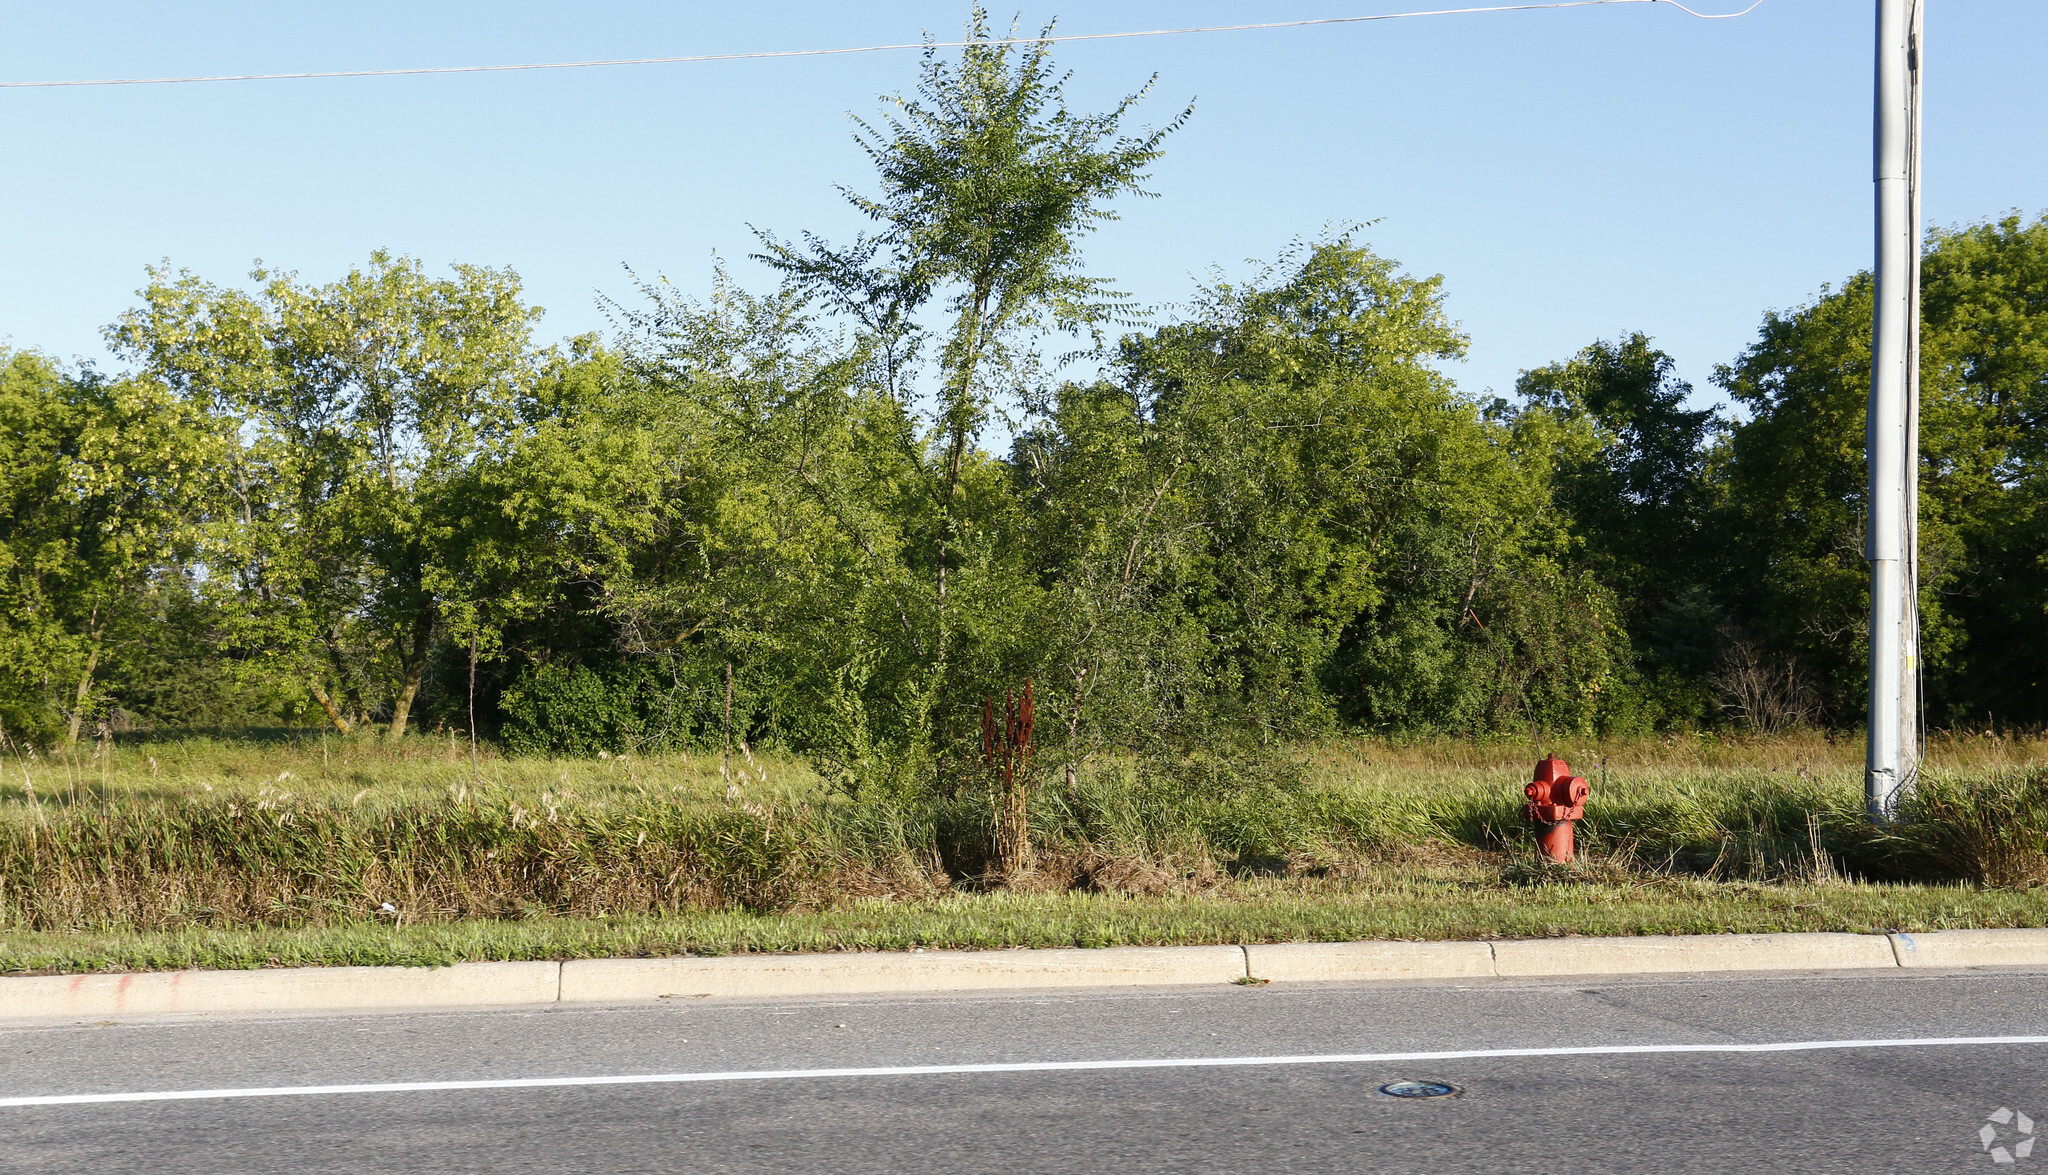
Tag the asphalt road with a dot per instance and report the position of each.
(1850, 1109)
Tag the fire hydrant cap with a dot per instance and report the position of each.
(1555, 794)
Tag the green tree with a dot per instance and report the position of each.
(1794, 477)
(785, 534)
(104, 486)
(1282, 513)
(356, 405)
(1986, 357)
(1636, 487)
(988, 184)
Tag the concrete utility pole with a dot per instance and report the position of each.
(1892, 437)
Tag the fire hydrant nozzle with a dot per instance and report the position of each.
(1556, 798)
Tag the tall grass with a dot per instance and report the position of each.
(292, 861)
(311, 764)
(269, 858)
(1991, 829)
(230, 842)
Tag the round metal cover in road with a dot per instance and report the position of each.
(1420, 1089)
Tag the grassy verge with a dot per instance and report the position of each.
(1267, 912)
(294, 851)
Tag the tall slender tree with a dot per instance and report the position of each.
(988, 183)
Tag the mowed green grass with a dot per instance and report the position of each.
(1413, 908)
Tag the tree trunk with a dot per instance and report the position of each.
(956, 416)
(340, 720)
(415, 669)
(353, 712)
(92, 664)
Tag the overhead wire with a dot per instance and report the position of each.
(770, 54)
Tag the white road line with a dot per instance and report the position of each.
(1787, 1046)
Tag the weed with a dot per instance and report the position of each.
(1992, 829)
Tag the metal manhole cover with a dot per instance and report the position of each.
(1420, 1089)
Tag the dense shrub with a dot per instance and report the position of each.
(553, 710)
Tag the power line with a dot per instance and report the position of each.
(768, 54)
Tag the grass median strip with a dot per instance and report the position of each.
(1256, 912)
(318, 852)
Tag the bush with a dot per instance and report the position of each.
(552, 710)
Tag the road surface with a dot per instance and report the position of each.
(1252, 1079)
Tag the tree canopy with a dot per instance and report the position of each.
(946, 459)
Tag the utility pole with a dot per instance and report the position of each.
(1892, 436)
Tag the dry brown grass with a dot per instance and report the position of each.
(1816, 753)
(367, 768)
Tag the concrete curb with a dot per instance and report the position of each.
(1971, 948)
(1328, 962)
(625, 981)
(879, 972)
(155, 993)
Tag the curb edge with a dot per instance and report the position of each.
(625, 981)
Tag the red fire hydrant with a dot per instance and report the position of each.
(1556, 798)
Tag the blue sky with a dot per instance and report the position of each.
(1573, 174)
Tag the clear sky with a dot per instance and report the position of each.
(1573, 174)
